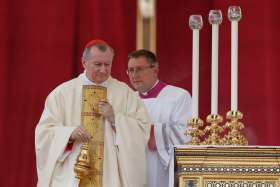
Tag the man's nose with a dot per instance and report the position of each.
(103, 68)
(134, 74)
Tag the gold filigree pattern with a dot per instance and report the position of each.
(234, 136)
(228, 166)
(94, 124)
(214, 130)
(194, 132)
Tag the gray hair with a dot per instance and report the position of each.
(101, 47)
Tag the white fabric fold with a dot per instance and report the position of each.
(123, 165)
(161, 146)
(169, 111)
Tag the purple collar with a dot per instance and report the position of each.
(153, 93)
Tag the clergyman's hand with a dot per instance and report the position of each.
(106, 110)
(80, 134)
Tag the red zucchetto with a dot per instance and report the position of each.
(95, 42)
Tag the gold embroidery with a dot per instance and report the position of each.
(94, 124)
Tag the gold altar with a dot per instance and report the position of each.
(227, 166)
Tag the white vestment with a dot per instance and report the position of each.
(169, 109)
(124, 150)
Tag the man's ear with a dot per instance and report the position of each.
(84, 64)
(156, 69)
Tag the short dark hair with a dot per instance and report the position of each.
(150, 56)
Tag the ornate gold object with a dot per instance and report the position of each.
(194, 131)
(82, 167)
(89, 166)
(228, 166)
(214, 130)
(234, 136)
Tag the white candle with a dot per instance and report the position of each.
(195, 23)
(234, 65)
(195, 73)
(214, 73)
(215, 18)
(234, 15)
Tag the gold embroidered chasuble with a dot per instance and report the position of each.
(124, 150)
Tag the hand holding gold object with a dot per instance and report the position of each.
(80, 134)
(82, 167)
(106, 110)
(89, 163)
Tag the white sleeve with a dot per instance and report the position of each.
(172, 132)
(179, 117)
(51, 138)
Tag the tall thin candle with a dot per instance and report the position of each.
(215, 18)
(234, 15)
(195, 23)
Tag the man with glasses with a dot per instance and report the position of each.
(121, 141)
(169, 108)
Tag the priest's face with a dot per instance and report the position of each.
(98, 65)
(142, 74)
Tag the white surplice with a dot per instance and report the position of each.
(124, 151)
(169, 109)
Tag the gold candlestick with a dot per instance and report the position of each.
(214, 129)
(234, 137)
(194, 131)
